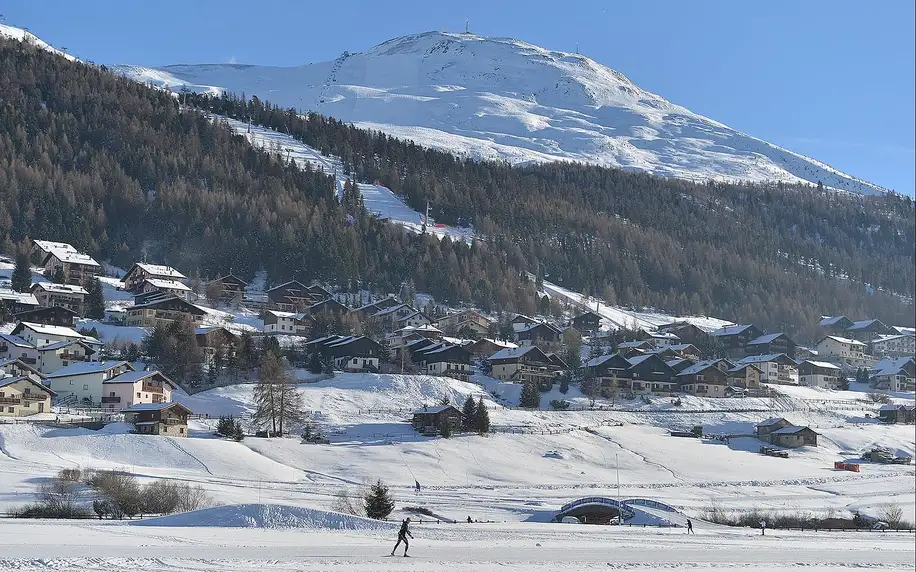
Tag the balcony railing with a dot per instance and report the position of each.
(10, 401)
(152, 388)
(34, 396)
(74, 357)
(111, 399)
(174, 421)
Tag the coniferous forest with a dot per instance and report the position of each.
(119, 169)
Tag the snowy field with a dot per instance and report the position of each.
(515, 547)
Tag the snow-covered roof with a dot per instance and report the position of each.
(161, 270)
(279, 314)
(17, 341)
(791, 429)
(771, 421)
(762, 358)
(71, 256)
(740, 366)
(663, 335)
(511, 353)
(153, 407)
(18, 297)
(597, 361)
(699, 366)
(823, 364)
(166, 298)
(863, 324)
(431, 410)
(61, 344)
(84, 367)
(167, 284)
(135, 376)
(51, 330)
(499, 343)
(7, 381)
(636, 344)
(730, 330)
(889, 338)
(636, 360)
(890, 366)
(47, 245)
(764, 339)
(843, 340)
(60, 288)
(537, 325)
(831, 320)
(393, 309)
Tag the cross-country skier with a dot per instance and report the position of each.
(417, 486)
(402, 536)
(690, 527)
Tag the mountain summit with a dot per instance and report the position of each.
(501, 98)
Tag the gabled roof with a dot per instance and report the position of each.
(70, 256)
(522, 318)
(434, 410)
(64, 344)
(587, 314)
(135, 376)
(663, 335)
(85, 367)
(154, 407)
(598, 361)
(765, 339)
(499, 343)
(865, 324)
(233, 276)
(831, 320)
(634, 344)
(290, 282)
(393, 309)
(47, 330)
(731, 330)
(18, 297)
(160, 270)
(21, 364)
(636, 360)
(513, 353)
(537, 325)
(6, 381)
(279, 314)
(17, 341)
(763, 358)
(842, 341)
(772, 421)
(59, 288)
(168, 284)
(889, 338)
(701, 366)
(792, 429)
(891, 366)
(153, 303)
(741, 367)
(47, 245)
(822, 364)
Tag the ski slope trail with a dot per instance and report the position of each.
(378, 199)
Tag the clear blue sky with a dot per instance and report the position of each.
(832, 79)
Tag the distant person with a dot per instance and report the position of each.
(402, 536)
(690, 527)
(763, 527)
(469, 520)
(417, 486)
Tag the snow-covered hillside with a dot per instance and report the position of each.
(499, 98)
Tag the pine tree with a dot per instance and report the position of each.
(95, 300)
(22, 274)
(564, 383)
(445, 430)
(378, 501)
(531, 396)
(481, 418)
(469, 413)
(58, 277)
(277, 400)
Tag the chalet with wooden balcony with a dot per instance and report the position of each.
(23, 396)
(169, 419)
(731, 340)
(163, 311)
(83, 382)
(77, 268)
(706, 378)
(230, 286)
(67, 296)
(142, 271)
(135, 387)
(49, 316)
(17, 302)
(524, 364)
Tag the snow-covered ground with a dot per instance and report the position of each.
(516, 479)
(501, 98)
(616, 317)
(515, 547)
(378, 199)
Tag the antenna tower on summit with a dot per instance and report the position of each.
(467, 26)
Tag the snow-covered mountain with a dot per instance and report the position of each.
(500, 98)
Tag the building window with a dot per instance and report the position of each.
(85, 387)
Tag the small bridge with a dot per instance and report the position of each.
(595, 510)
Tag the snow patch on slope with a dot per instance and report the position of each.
(267, 516)
(22, 35)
